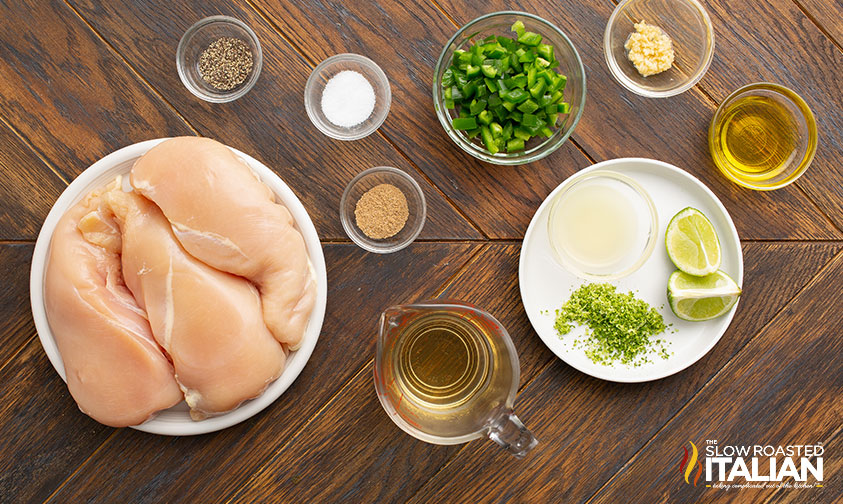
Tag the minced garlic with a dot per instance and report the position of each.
(649, 49)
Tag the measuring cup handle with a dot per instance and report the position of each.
(508, 431)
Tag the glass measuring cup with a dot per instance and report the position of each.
(447, 372)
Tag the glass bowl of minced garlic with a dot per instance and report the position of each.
(658, 48)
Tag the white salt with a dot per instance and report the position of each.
(348, 99)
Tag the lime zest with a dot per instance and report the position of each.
(619, 327)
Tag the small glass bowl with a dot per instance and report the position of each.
(415, 204)
(687, 24)
(570, 65)
(805, 133)
(197, 38)
(320, 77)
(645, 216)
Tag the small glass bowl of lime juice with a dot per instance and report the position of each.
(602, 225)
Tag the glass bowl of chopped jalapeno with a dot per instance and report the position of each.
(509, 88)
(219, 59)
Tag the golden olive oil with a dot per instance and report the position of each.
(445, 372)
(757, 138)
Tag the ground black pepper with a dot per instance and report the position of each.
(226, 63)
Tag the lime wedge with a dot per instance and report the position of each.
(701, 298)
(692, 243)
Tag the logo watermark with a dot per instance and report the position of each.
(728, 466)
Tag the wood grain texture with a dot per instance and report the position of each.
(352, 452)
(67, 93)
(782, 389)
(379, 462)
(827, 15)
(774, 41)
(491, 282)
(16, 326)
(45, 435)
(28, 188)
(832, 465)
(83, 78)
(269, 122)
(617, 123)
(588, 428)
(405, 39)
(137, 467)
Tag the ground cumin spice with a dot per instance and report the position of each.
(381, 212)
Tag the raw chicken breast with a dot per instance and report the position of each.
(115, 370)
(232, 222)
(209, 322)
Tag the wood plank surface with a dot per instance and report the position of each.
(783, 389)
(67, 93)
(28, 188)
(405, 39)
(353, 455)
(45, 436)
(588, 428)
(269, 122)
(753, 47)
(827, 15)
(336, 443)
(189, 469)
(16, 326)
(830, 493)
(618, 123)
(81, 78)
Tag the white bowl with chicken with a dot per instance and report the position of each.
(179, 419)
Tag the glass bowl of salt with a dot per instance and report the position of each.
(347, 96)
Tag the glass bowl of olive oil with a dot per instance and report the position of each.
(763, 136)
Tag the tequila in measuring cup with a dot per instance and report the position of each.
(447, 372)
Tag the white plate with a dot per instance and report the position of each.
(176, 420)
(545, 284)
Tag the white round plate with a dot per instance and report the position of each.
(176, 420)
(545, 284)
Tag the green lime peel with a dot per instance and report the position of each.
(619, 327)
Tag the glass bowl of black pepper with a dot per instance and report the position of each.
(219, 59)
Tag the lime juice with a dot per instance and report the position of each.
(600, 225)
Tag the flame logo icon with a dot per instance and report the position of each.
(686, 467)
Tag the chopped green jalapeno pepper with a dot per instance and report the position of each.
(464, 123)
(505, 91)
(516, 95)
(528, 107)
(476, 106)
(514, 145)
(530, 39)
(488, 140)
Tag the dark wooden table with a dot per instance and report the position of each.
(81, 78)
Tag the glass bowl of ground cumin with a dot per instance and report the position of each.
(382, 209)
(219, 59)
